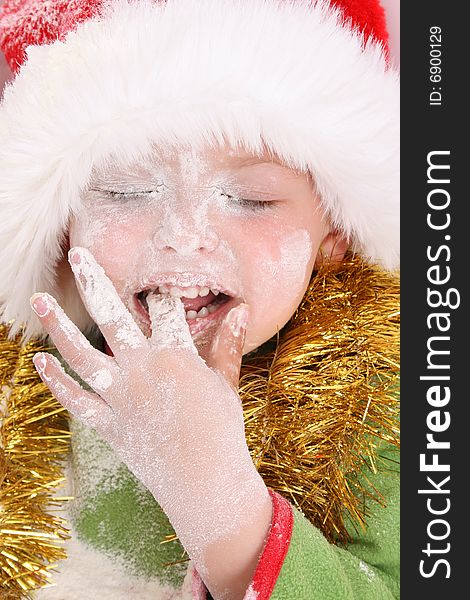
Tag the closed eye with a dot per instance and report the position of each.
(251, 204)
(129, 193)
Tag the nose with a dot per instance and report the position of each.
(185, 236)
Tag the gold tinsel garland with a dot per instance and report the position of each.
(318, 399)
(33, 442)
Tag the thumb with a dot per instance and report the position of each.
(226, 352)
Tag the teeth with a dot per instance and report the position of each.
(189, 292)
(205, 310)
(192, 292)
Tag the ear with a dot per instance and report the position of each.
(332, 249)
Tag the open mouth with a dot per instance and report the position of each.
(203, 305)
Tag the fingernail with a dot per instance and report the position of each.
(40, 305)
(39, 361)
(74, 257)
(238, 319)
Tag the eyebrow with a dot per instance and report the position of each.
(256, 160)
(273, 160)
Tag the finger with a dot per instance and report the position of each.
(103, 303)
(169, 326)
(91, 365)
(227, 349)
(86, 406)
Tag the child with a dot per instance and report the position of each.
(186, 167)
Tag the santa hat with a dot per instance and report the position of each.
(309, 80)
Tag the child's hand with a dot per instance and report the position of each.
(176, 422)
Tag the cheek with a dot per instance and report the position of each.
(112, 239)
(278, 277)
(283, 263)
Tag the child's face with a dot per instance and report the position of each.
(179, 220)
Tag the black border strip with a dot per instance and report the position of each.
(433, 124)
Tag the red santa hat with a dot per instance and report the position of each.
(308, 79)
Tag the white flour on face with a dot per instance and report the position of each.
(197, 222)
(295, 252)
(90, 226)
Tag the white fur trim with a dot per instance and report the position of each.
(288, 74)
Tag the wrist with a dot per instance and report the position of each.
(202, 510)
(230, 561)
(223, 528)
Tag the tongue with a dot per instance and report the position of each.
(198, 302)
